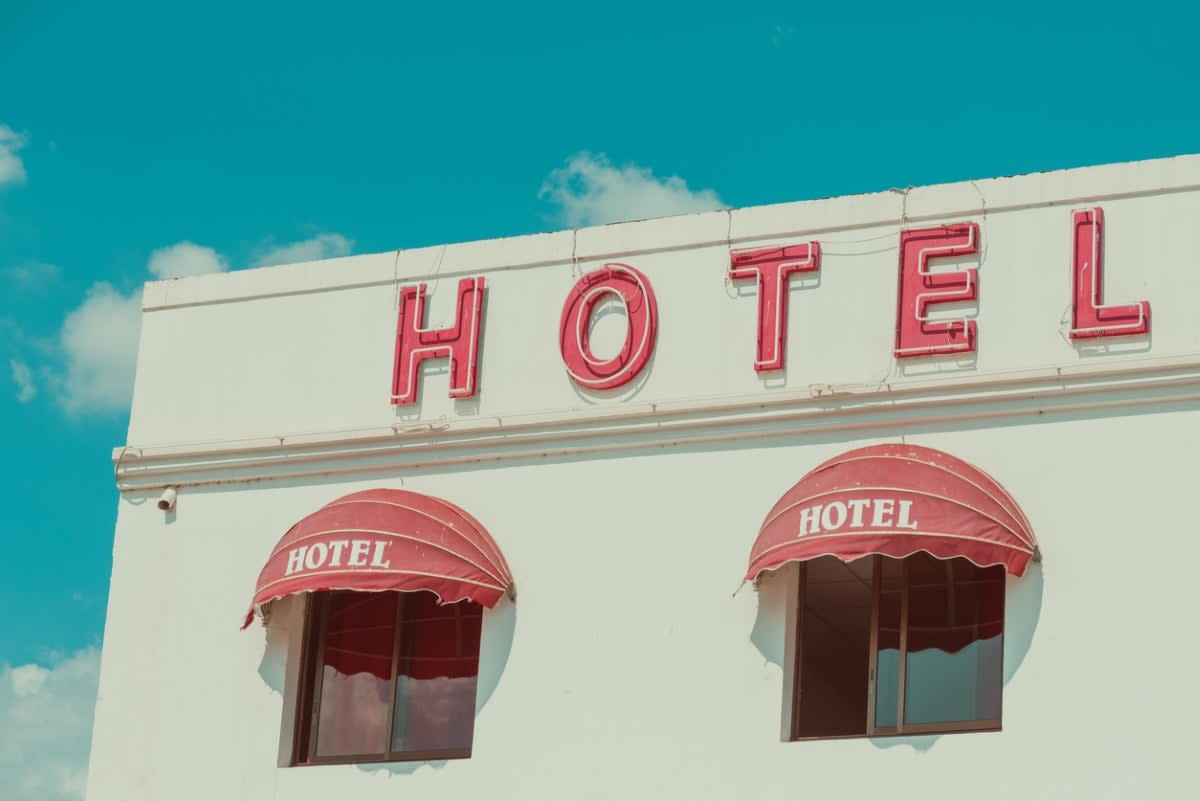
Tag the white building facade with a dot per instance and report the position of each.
(634, 406)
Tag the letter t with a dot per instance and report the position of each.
(773, 267)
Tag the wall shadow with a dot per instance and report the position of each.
(272, 668)
(769, 634)
(938, 365)
(495, 646)
(1108, 346)
(1022, 609)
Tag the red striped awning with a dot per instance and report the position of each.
(386, 539)
(895, 500)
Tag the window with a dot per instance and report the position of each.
(897, 646)
(387, 676)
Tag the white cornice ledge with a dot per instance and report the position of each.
(888, 409)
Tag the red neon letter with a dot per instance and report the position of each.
(460, 341)
(916, 334)
(772, 267)
(633, 290)
(1090, 317)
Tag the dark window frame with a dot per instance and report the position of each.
(901, 729)
(308, 702)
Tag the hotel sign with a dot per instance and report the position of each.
(925, 280)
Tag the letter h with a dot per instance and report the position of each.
(295, 561)
(810, 520)
(459, 342)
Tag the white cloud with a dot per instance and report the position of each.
(183, 259)
(34, 275)
(23, 377)
(323, 246)
(12, 170)
(46, 716)
(98, 342)
(28, 679)
(589, 190)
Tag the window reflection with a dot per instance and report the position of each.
(947, 688)
(389, 659)
(433, 714)
(955, 645)
(887, 670)
(360, 631)
(435, 682)
(937, 630)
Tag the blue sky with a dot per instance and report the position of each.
(143, 140)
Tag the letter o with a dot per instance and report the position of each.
(828, 521)
(310, 562)
(641, 312)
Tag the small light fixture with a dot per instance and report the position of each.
(167, 502)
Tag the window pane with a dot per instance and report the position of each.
(835, 647)
(887, 673)
(435, 683)
(355, 680)
(955, 641)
